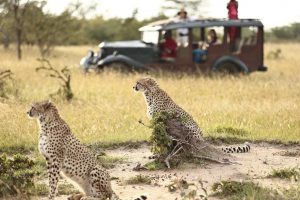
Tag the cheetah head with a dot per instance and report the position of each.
(145, 84)
(40, 109)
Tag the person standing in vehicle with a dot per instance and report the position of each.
(233, 32)
(232, 7)
(182, 33)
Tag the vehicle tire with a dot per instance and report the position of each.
(228, 67)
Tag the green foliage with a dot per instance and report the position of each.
(161, 142)
(62, 189)
(286, 173)
(234, 190)
(155, 165)
(47, 30)
(139, 179)
(16, 175)
(287, 33)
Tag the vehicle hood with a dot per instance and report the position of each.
(123, 44)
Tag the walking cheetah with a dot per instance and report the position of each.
(64, 153)
(158, 100)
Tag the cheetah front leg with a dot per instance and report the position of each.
(53, 175)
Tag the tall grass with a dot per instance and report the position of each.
(105, 109)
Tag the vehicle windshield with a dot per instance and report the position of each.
(150, 36)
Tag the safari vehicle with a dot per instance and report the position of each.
(244, 53)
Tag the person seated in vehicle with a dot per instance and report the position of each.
(212, 37)
(200, 54)
(168, 47)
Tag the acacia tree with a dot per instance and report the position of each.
(16, 11)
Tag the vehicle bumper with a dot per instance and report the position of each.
(262, 68)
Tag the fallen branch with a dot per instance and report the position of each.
(64, 76)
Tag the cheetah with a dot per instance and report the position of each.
(157, 100)
(64, 153)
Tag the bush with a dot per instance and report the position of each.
(161, 142)
(16, 175)
(234, 190)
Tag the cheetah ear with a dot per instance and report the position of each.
(152, 82)
(47, 104)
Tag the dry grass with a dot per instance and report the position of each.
(105, 109)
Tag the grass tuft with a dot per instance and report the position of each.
(286, 173)
(233, 190)
(139, 179)
(109, 162)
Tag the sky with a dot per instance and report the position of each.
(272, 12)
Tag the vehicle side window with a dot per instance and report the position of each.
(249, 35)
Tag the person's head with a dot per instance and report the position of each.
(182, 14)
(212, 35)
(167, 34)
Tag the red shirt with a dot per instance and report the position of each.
(168, 48)
(232, 7)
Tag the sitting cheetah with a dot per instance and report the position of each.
(158, 100)
(64, 153)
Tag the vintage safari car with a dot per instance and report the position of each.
(242, 51)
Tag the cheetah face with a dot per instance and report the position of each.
(145, 84)
(139, 87)
(38, 109)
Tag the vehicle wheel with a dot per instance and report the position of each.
(229, 68)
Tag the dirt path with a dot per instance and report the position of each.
(252, 166)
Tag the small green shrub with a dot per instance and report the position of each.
(155, 165)
(161, 142)
(286, 173)
(42, 189)
(234, 190)
(16, 175)
(139, 179)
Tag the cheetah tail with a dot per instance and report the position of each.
(244, 148)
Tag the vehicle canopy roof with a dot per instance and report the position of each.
(171, 24)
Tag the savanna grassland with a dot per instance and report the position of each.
(105, 109)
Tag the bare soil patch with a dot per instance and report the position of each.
(253, 166)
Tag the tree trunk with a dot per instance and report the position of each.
(19, 43)
(189, 146)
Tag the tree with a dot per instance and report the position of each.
(16, 11)
(47, 30)
(3, 31)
